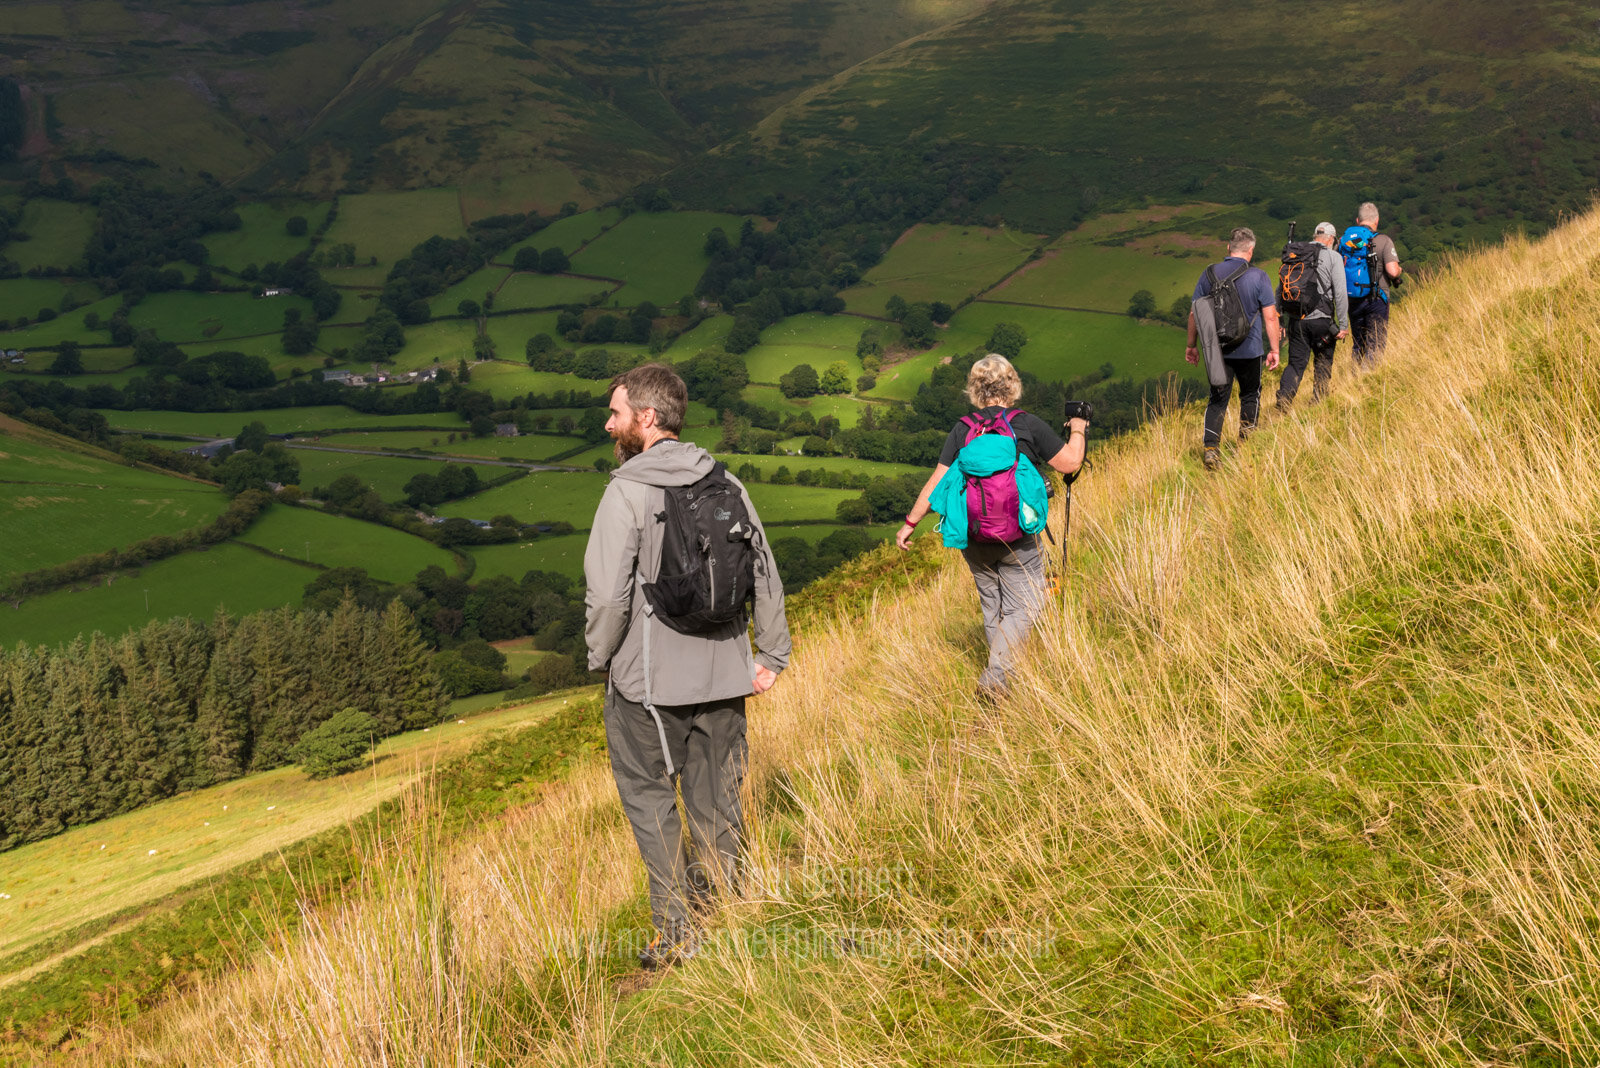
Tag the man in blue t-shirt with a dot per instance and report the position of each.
(1243, 362)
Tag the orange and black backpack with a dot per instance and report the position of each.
(1298, 282)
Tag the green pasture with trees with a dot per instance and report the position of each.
(57, 232)
(267, 233)
(387, 226)
(568, 234)
(193, 584)
(660, 255)
(58, 505)
(185, 317)
(941, 262)
(1063, 345)
(540, 497)
(561, 553)
(308, 536)
(308, 420)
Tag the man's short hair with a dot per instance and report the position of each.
(1367, 212)
(1243, 238)
(655, 385)
(1325, 228)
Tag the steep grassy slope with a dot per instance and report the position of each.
(1302, 771)
(520, 103)
(1463, 121)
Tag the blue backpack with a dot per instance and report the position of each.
(1360, 263)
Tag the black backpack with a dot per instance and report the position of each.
(1298, 280)
(1233, 325)
(708, 553)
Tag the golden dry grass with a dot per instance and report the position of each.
(1303, 771)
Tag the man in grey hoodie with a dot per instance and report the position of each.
(674, 708)
(1315, 334)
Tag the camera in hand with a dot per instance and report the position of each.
(1080, 410)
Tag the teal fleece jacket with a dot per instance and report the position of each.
(984, 455)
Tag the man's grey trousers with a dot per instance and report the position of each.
(709, 751)
(1012, 592)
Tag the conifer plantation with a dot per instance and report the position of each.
(103, 726)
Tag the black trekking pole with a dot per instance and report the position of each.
(1074, 410)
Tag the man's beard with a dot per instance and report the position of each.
(629, 443)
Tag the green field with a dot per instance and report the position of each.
(59, 505)
(305, 535)
(566, 234)
(141, 856)
(940, 262)
(844, 408)
(28, 296)
(710, 334)
(385, 474)
(900, 381)
(569, 496)
(68, 327)
(510, 333)
(529, 447)
(562, 554)
(1062, 344)
(262, 239)
(57, 234)
(520, 655)
(187, 316)
(443, 341)
(507, 377)
(768, 465)
(815, 532)
(786, 504)
(390, 225)
(191, 584)
(811, 338)
(528, 290)
(276, 420)
(1081, 271)
(660, 256)
(472, 287)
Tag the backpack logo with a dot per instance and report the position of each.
(722, 515)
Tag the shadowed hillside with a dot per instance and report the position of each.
(1463, 122)
(523, 103)
(1303, 771)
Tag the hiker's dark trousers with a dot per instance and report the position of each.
(708, 747)
(1248, 372)
(1011, 592)
(1308, 338)
(1369, 328)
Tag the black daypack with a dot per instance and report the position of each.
(1233, 325)
(1299, 283)
(708, 553)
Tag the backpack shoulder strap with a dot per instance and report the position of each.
(1243, 267)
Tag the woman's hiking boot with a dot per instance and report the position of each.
(1211, 457)
(677, 944)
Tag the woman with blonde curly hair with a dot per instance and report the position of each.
(1009, 574)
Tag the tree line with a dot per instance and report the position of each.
(102, 726)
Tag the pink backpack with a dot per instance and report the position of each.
(994, 504)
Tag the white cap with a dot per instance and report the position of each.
(1325, 228)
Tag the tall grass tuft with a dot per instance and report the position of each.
(1305, 769)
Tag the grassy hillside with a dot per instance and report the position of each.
(1300, 772)
(1464, 123)
(520, 104)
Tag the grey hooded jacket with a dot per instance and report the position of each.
(624, 552)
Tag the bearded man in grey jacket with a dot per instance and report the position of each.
(674, 711)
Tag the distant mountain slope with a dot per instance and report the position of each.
(528, 102)
(1461, 118)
